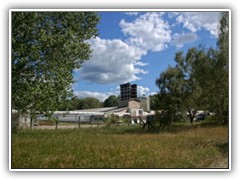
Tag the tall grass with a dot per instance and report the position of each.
(121, 147)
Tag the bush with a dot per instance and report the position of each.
(112, 119)
(165, 119)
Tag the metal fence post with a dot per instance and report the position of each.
(79, 122)
(97, 121)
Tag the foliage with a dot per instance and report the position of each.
(199, 80)
(46, 48)
(90, 102)
(156, 103)
(76, 103)
(221, 88)
(111, 119)
(111, 101)
(177, 87)
(54, 119)
(213, 74)
(165, 118)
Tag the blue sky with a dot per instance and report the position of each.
(136, 47)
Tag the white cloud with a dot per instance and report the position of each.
(152, 93)
(172, 14)
(195, 21)
(180, 39)
(139, 63)
(112, 61)
(148, 31)
(116, 61)
(142, 90)
(132, 13)
(114, 91)
(98, 95)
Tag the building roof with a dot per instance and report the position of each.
(105, 109)
(135, 99)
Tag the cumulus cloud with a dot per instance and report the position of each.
(195, 21)
(139, 63)
(119, 61)
(132, 13)
(98, 95)
(152, 93)
(180, 39)
(172, 14)
(148, 31)
(112, 61)
(116, 61)
(142, 90)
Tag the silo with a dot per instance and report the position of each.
(144, 103)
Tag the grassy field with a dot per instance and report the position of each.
(181, 146)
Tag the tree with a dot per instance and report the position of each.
(46, 48)
(111, 101)
(171, 84)
(199, 80)
(213, 74)
(179, 88)
(71, 104)
(155, 103)
(220, 90)
(90, 102)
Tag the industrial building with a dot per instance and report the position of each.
(144, 102)
(128, 91)
(129, 105)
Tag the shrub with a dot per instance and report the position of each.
(165, 119)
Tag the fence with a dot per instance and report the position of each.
(73, 120)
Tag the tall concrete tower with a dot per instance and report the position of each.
(128, 91)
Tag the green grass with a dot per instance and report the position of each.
(181, 146)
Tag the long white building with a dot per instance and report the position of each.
(130, 108)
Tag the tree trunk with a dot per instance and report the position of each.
(191, 119)
(56, 125)
(191, 114)
(31, 122)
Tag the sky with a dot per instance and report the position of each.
(136, 47)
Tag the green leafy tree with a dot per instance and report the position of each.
(155, 103)
(90, 102)
(171, 84)
(46, 48)
(220, 91)
(71, 104)
(111, 101)
(211, 73)
(200, 79)
(179, 88)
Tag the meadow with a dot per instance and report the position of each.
(180, 146)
